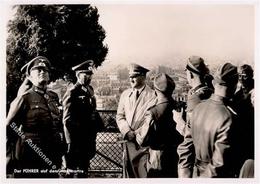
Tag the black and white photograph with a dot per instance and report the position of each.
(129, 90)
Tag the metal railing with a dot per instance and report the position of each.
(108, 161)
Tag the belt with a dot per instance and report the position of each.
(201, 163)
(36, 129)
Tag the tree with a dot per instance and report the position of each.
(66, 34)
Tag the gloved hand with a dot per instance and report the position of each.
(130, 135)
(68, 148)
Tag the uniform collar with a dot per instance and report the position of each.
(38, 90)
(220, 99)
(162, 99)
(193, 90)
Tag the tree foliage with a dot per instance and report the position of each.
(66, 34)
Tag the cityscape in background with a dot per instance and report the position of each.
(109, 84)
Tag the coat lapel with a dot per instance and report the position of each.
(144, 101)
(130, 106)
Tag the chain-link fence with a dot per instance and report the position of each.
(108, 161)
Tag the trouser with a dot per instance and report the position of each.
(78, 162)
(199, 169)
(37, 160)
(136, 161)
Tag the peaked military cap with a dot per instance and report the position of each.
(196, 65)
(247, 70)
(24, 68)
(86, 67)
(137, 70)
(226, 75)
(164, 83)
(37, 62)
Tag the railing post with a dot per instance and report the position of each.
(124, 157)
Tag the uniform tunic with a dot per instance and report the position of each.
(80, 125)
(37, 117)
(130, 116)
(195, 96)
(245, 112)
(207, 152)
(160, 134)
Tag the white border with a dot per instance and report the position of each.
(3, 32)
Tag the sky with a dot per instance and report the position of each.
(152, 34)
(168, 34)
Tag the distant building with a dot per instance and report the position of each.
(113, 77)
(116, 90)
(107, 102)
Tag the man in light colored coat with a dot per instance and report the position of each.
(133, 104)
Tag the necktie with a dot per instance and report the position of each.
(136, 95)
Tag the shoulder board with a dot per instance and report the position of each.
(201, 90)
(51, 93)
(91, 90)
(204, 91)
(231, 110)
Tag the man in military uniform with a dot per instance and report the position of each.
(35, 116)
(213, 140)
(133, 104)
(199, 79)
(159, 131)
(81, 121)
(245, 111)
